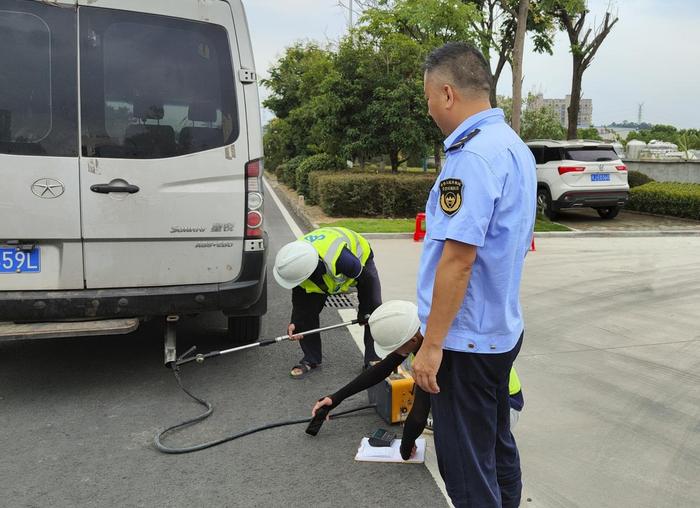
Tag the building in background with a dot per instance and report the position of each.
(561, 109)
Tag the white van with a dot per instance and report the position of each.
(130, 166)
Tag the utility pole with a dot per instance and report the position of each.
(350, 16)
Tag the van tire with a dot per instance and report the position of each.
(243, 329)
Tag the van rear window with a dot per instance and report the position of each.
(153, 86)
(38, 80)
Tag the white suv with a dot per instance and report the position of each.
(576, 174)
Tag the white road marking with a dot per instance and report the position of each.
(296, 230)
(357, 333)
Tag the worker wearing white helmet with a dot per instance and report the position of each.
(396, 330)
(324, 262)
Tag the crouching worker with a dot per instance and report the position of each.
(395, 328)
(326, 261)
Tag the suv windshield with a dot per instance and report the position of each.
(590, 154)
(38, 80)
(153, 86)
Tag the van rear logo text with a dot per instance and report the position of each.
(48, 188)
(186, 229)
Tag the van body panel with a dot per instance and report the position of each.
(182, 199)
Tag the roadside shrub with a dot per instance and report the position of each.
(319, 162)
(635, 179)
(675, 199)
(279, 170)
(372, 195)
(289, 175)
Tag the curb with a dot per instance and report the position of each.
(296, 209)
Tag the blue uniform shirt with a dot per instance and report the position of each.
(485, 196)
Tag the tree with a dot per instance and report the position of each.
(572, 16)
(296, 82)
(497, 25)
(541, 123)
(517, 62)
(588, 133)
(401, 34)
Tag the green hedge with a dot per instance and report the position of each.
(635, 179)
(372, 195)
(287, 172)
(675, 199)
(319, 162)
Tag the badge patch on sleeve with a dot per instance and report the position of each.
(451, 195)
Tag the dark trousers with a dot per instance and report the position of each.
(476, 452)
(306, 308)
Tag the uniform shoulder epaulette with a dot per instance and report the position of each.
(462, 141)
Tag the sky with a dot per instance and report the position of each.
(652, 55)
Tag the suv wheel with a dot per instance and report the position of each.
(243, 329)
(544, 204)
(609, 212)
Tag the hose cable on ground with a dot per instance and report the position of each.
(206, 414)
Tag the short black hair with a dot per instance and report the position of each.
(464, 63)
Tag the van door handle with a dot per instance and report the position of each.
(106, 188)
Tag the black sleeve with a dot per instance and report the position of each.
(369, 377)
(415, 421)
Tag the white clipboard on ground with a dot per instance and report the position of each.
(367, 453)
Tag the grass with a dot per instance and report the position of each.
(375, 225)
(407, 225)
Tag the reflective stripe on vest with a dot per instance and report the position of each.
(329, 243)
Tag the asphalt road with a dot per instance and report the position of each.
(78, 418)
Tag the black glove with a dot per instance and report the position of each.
(407, 445)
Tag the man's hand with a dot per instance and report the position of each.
(325, 401)
(425, 367)
(290, 331)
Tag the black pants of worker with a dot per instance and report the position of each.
(306, 308)
(476, 451)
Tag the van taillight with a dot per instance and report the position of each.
(621, 168)
(571, 169)
(254, 199)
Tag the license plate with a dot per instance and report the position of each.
(20, 261)
(600, 177)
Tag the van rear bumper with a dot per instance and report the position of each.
(232, 297)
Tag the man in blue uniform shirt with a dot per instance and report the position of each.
(479, 220)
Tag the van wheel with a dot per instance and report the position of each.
(243, 329)
(544, 204)
(608, 213)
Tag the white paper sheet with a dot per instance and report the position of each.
(367, 453)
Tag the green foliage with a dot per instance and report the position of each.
(319, 162)
(541, 123)
(289, 175)
(635, 179)
(588, 133)
(675, 199)
(372, 195)
(686, 139)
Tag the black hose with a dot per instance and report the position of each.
(189, 449)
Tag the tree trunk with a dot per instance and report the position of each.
(394, 158)
(517, 64)
(438, 156)
(575, 104)
(496, 76)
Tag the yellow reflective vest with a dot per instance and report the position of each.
(329, 243)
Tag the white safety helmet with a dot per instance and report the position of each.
(295, 262)
(392, 325)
